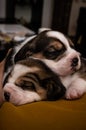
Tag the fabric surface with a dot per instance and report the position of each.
(44, 115)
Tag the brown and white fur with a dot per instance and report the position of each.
(31, 80)
(56, 51)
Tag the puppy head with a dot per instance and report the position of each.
(55, 50)
(31, 80)
(67, 60)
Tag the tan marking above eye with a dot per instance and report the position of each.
(38, 55)
(57, 45)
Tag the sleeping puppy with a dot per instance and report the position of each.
(31, 80)
(56, 51)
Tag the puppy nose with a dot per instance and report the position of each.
(75, 61)
(7, 96)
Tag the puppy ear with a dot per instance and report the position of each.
(55, 88)
(43, 29)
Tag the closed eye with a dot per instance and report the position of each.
(52, 53)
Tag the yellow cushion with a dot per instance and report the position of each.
(45, 115)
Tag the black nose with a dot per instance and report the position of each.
(74, 61)
(7, 96)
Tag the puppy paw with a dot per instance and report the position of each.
(73, 93)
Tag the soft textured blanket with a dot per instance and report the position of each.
(44, 115)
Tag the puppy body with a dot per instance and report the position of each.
(56, 51)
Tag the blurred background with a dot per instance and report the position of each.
(67, 16)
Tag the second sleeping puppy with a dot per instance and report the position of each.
(31, 80)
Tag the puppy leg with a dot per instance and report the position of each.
(76, 90)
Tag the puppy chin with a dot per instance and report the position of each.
(65, 71)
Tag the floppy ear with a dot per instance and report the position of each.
(25, 52)
(55, 88)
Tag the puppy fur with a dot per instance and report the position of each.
(31, 80)
(57, 52)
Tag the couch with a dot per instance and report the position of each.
(44, 115)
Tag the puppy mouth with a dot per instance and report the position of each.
(73, 69)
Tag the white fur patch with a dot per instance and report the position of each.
(59, 36)
(19, 70)
(76, 89)
(75, 86)
(43, 29)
